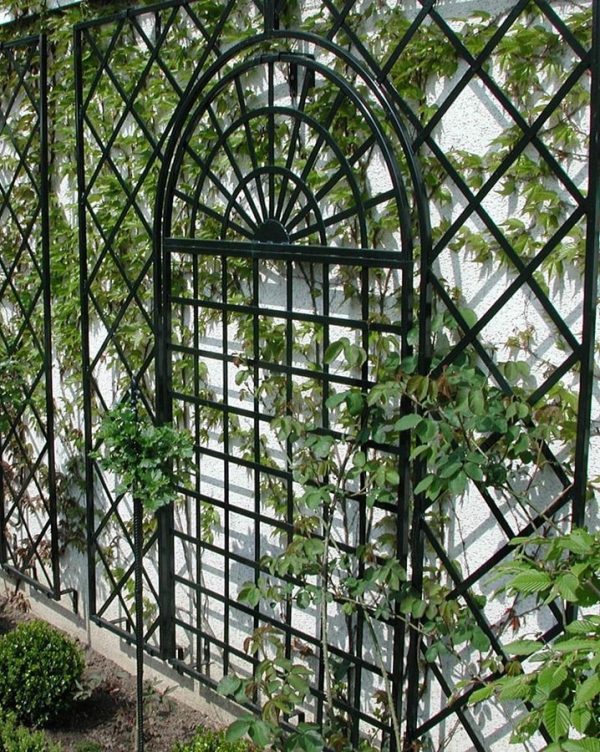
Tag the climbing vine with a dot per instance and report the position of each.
(492, 426)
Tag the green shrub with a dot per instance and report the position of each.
(40, 670)
(88, 746)
(15, 738)
(207, 740)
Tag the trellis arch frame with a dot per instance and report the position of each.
(184, 123)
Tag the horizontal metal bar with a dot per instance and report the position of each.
(19, 575)
(286, 252)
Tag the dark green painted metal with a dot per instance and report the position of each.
(272, 236)
(34, 558)
(271, 223)
(590, 290)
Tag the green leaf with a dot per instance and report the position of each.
(249, 594)
(480, 641)
(588, 690)
(432, 652)
(483, 693)
(579, 542)
(229, 685)
(582, 626)
(532, 581)
(514, 688)
(573, 645)
(469, 316)
(239, 728)
(449, 469)
(407, 422)
(556, 719)
(477, 402)
(260, 733)
(473, 471)
(523, 647)
(355, 355)
(551, 678)
(427, 430)
(581, 717)
(322, 446)
(354, 403)
(334, 349)
(359, 459)
(335, 399)
(419, 450)
(567, 585)
(314, 498)
(424, 484)
(587, 744)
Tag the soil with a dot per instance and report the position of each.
(106, 720)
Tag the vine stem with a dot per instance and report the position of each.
(387, 683)
(325, 619)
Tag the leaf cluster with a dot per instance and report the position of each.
(17, 738)
(209, 740)
(284, 685)
(149, 460)
(560, 679)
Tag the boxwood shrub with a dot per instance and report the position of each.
(40, 670)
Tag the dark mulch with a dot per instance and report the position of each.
(108, 716)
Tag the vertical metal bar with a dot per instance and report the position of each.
(226, 466)
(161, 266)
(197, 483)
(85, 343)
(256, 439)
(166, 581)
(269, 16)
(138, 553)
(403, 523)
(413, 538)
(322, 718)
(138, 567)
(45, 218)
(358, 647)
(3, 529)
(164, 407)
(289, 395)
(417, 551)
(590, 285)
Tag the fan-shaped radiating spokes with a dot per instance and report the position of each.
(271, 228)
(268, 165)
(239, 168)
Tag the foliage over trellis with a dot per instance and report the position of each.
(485, 414)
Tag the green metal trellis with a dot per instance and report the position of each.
(266, 214)
(28, 515)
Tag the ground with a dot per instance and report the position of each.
(107, 716)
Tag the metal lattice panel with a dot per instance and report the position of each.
(113, 161)
(29, 544)
(247, 207)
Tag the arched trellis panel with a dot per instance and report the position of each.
(265, 220)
